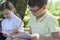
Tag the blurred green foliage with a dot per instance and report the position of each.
(54, 8)
(26, 18)
(1, 1)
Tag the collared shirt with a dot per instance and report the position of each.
(45, 26)
(8, 25)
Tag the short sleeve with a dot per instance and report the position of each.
(2, 25)
(53, 25)
(21, 29)
(29, 23)
(31, 20)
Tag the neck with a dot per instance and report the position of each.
(38, 17)
(11, 16)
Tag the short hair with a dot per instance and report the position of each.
(39, 3)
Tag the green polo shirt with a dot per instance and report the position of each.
(45, 26)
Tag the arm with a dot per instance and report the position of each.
(19, 27)
(56, 36)
(30, 32)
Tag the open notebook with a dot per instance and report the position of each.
(20, 34)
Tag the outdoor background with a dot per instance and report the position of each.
(24, 13)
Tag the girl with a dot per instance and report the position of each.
(11, 21)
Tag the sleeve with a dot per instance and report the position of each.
(21, 29)
(30, 20)
(53, 25)
(2, 25)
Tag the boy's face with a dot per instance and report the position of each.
(7, 13)
(36, 11)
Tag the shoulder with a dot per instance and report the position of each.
(51, 20)
(3, 21)
(17, 18)
(50, 17)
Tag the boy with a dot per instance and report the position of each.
(43, 25)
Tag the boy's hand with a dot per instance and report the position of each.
(35, 36)
(15, 31)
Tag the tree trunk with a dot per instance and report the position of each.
(20, 6)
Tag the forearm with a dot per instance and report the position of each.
(30, 32)
(47, 38)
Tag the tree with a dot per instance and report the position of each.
(20, 6)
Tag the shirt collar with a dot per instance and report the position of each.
(34, 18)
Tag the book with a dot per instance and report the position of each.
(21, 35)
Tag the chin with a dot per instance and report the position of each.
(35, 15)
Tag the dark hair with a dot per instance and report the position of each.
(39, 3)
(7, 5)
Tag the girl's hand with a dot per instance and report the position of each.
(5, 35)
(15, 31)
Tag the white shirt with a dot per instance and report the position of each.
(8, 25)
